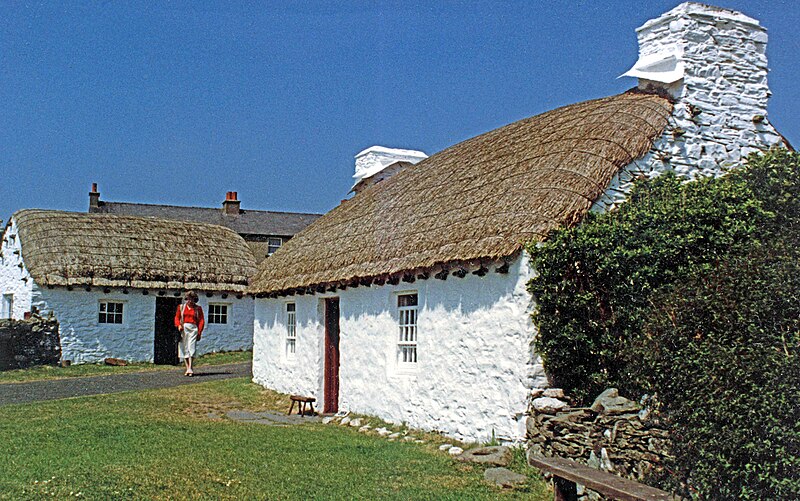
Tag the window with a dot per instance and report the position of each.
(110, 312)
(217, 313)
(291, 329)
(7, 306)
(407, 321)
(273, 244)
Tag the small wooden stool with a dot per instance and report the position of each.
(301, 404)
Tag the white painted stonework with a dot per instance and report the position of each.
(475, 365)
(376, 158)
(713, 62)
(14, 277)
(85, 340)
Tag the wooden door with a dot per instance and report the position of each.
(331, 355)
(165, 349)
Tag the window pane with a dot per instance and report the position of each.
(407, 300)
(110, 312)
(273, 244)
(407, 327)
(291, 329)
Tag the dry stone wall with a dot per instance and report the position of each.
(24, 343)
(614, 434)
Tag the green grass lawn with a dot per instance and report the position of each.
(175, 444)
(41, 372)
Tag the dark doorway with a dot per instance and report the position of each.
(165, 349)
(331, 355)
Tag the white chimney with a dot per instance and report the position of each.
(704, 53)
(713, 64)
(386, 161)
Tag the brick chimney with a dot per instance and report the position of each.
(231, 204)
(94, 199)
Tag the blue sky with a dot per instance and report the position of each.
(179, 102)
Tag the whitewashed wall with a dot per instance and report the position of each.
(475, 368)
(85, 340)
(14, 277)
(720, 113)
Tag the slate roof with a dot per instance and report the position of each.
(247, 222)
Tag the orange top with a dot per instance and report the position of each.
(190, 316)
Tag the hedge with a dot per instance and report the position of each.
(690, 291)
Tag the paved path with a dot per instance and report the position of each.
(18, 393)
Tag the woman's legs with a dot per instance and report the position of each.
(189, 365)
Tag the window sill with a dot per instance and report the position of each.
(407, 372)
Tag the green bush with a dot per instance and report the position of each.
(595, 280)
(722, 350)
(690, 291)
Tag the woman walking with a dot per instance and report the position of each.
(190, 322)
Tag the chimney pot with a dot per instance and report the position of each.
(231, 205)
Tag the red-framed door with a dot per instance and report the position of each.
(331, 384)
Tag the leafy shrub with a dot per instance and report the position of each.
(722, 350)
(595, 280)
(691, 291)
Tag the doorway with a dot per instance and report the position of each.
(165, 349)
(331, 385)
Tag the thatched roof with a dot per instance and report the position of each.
(72, 248)
(481, 199)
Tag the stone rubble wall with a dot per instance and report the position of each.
(15, 280)
(25, 343)
(614, 434)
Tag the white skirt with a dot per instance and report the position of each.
(188, 340)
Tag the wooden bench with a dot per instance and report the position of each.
(301, 404)
(567, 473)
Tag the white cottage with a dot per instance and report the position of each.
(114, 282)
(408, 301)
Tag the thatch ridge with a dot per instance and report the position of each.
(483, 198)
(75, 248)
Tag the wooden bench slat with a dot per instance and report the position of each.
(600, 481)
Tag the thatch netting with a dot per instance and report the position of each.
(483, 198)
(72, 248)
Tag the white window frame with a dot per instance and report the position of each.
(290, 310)
(270, 244)
(104, 303)
(7, 306)
(407, 340)
(226, 314)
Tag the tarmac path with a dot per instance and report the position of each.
(54, 389)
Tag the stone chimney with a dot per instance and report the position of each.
(94, 199)
(708, 54)
(231, 204)
(713, 63)
(377, 163)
